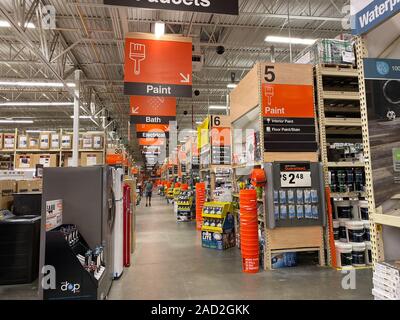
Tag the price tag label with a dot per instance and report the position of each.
(296, 175)
(296, 179)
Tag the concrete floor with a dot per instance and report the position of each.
(170, 264)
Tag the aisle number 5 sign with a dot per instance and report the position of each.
(158, 66)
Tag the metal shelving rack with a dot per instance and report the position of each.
(376, 222)
(345, 127)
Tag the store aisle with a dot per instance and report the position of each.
(170, 263)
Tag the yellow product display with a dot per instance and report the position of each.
(214, 214)
(170, 193)
(176, 193)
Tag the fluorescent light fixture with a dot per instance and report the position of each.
(36, 104)
(15, 121)
(35, 84)
(199, 122)
(231, 85)
(39, 131)
(85, 117)
(289, 40)
(6, 24)
(217, 107)
(159, 29)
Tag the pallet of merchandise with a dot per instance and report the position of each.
(386, 280)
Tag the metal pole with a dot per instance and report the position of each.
(290, 32)
(75, 138)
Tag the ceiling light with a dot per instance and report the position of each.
(39, 131)
(86, 117)
(159, 29)
(231, 85)
(6, 24)
(35, 104)
(15, 121)
(35, 84)
(217, 107)
(289, 40)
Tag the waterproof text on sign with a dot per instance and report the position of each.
(158, 67)
(211, 6)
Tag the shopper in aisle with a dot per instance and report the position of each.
(148, 189)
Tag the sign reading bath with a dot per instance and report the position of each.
(210, 6)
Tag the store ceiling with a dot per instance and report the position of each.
(90, 36)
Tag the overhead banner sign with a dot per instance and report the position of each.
(288, 108)
(158, 66)
(152, 106)
(209, 6)
(152, 127)
(373, 14)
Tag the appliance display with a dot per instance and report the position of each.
(118, 232)
(127, 225)
(89, 204)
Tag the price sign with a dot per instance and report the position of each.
(296, 175)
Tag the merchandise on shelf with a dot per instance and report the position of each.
(328, 51)
(386, 280)
(218, 226)
(185, 206)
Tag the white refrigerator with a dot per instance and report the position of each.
(118, 233)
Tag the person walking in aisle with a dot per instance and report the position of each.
(148, 188)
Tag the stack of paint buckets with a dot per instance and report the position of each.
(249, 243)
(200, 199)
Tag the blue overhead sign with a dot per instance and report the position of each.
(388, 69)
(374, 14)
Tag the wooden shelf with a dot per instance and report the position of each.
(338, 71)
(354, 194)
(340, 95)
(348, 122)
(388, 219)
(345, 164)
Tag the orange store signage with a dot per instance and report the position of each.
(288, 101)
(152, 106)
(158, 67)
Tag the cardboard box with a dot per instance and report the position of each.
(44, 141)
(7, 188)
(33, 143)
(55, 141)
(1, 141)
(25, 161)
(91, 159)
(66, 141)
(35, 185)
(47, 160)
(23, 141)
(8, 141)
(87, 142)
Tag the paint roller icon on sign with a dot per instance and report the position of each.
(137, 54)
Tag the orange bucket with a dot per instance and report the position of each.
(251, 264)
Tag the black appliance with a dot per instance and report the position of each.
(27, 203)
(19, 249)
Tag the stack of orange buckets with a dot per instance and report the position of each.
(200, 199)
(249, 231)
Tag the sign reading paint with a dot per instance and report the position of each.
(210, 6)
(288, 108)
(159, 67)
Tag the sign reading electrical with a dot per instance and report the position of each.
(210, 6)
(158, 66)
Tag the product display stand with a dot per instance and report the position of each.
(252, 101)
(341, 145)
